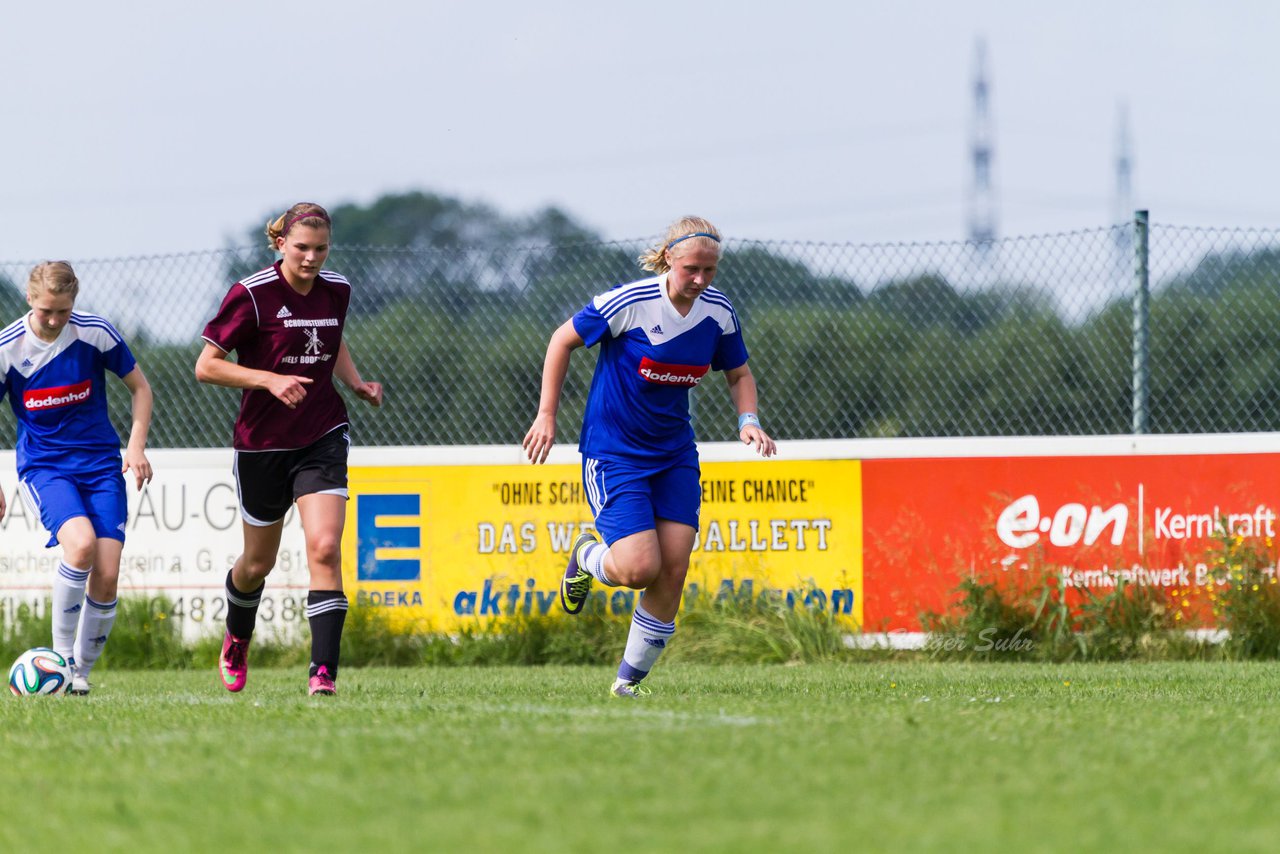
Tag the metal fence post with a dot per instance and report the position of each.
(1141, 322)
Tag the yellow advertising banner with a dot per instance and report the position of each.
(444, 547)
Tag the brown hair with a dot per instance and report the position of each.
(303, 213)
(693, 232)
(53, 277)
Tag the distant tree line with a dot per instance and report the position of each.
(454, 304)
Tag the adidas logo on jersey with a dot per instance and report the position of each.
(284, 312)
(26, 363)
(656, 330)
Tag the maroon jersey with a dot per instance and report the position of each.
(272, 327)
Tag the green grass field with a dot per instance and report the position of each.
(896, 756)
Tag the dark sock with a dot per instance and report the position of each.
(326, 612)
(242, 609)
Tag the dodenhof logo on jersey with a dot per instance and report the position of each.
(1020, 525)
(52, 398)
(663, 373)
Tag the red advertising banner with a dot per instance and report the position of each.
(1094, 521)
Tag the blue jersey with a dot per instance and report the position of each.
(58, 392)
(650, 356)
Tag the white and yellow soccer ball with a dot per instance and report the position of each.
(39, 671)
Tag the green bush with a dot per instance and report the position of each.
(1245, 598)
(1028, 620)
(725, 629)
(23, 631)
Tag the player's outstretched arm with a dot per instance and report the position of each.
(345, 370)
(135, 456)
(542, 435)
(742, 390)
(213, 367)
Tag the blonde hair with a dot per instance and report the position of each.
(53, 277)
(303, 213)
(691, 232)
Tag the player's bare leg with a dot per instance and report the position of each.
(323, 517)
(245, 583)
(99, 613)
(653, 622)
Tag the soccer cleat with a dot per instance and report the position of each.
(233, 664)
(628, 689)
(322, 683)
(576, 584)
(79, 685)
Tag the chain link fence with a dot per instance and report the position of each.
(1023, 336)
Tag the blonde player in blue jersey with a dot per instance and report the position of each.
(53, 365)
(658, 337)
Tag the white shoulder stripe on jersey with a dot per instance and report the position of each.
(722, 302)
(617, 308)
(258, 278)
(13, 331)
(10, 335)
(606, 301)
(718, 297)
(99, 336)
(102, 336)
(331, 276)
(97, 322)
(255, 282)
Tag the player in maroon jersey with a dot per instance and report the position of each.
(285, 326)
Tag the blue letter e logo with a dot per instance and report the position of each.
(370, 536)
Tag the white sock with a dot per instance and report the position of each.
(593, 562)
(95, 626)
(68, 601)
(645, 642)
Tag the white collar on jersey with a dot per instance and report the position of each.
(670, 307)
(39, 342)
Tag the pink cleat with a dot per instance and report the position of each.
(322, 683)
(233, 665)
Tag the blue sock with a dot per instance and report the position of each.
(645, 642)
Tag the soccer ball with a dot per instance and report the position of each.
(39, 671)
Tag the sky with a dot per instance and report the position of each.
(141, 128)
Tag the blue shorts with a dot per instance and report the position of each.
(58, 496)
(626, 498)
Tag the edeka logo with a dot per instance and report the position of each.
(666, 374)
(1020, 524)
(51, 398)
(374, 533)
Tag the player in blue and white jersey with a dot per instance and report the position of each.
(53, 364)
(658, 338)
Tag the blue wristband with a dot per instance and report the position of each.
(747, 418)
